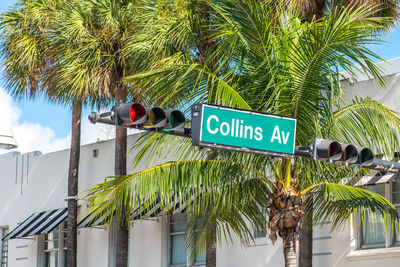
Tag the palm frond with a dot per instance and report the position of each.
(229, 191)
(193, 83)
(338, 203)
(366, 122)
(340, 39)
(153, 149)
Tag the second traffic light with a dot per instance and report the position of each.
(333, 151)
(136, 115)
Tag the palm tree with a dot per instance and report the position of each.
(318, 8)
(272, 62)
(30, 64)
(107, 48)
(36, 60)
(95, 39)
(90, 55)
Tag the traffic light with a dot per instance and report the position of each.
(327, 150)
(136, 115)
(126, 114)
(172, 122)
(333, 151)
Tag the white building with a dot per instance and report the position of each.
(33, 189)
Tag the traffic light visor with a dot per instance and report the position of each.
(327, 149)
(157, 117)
(138, 113)
(366, 156)
(176, 119)
(335, 151)
(350, 154)
(125, 113)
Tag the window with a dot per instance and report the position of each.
(371, 233)
(396, 203)
(55, 247)
(372, 230)
(4, 247)
(178, 253)
(261, 232)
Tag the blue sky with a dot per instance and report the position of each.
(40, 125)
(41, 111)
(52, 121)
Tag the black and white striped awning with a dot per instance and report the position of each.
(90, 221)
(38, 223)
(378, 178)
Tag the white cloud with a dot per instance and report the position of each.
(29, 136)
(10, 113)
(33, 136)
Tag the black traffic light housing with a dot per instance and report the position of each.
(341, 153)
(136, 115)
(327, 150)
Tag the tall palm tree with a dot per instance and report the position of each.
(91, 54)
(112, 44)
(31, 62)
(94, 61)
(318, 8)
(272, 62)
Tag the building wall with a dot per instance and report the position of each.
(260, 254)
(339, 248)
(388, 96)
(148, 243)
(41, 185)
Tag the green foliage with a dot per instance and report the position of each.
(362, 123)
(78, 49)
(229, 192)
(265, 58)
(337, 203)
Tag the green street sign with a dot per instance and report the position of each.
(242, 130)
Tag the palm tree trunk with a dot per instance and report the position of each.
(122, 243)
(73, 184)
(320, 9)
(204, 46)
(289, 247)
(312, 8)
(122, 231)
(306, 237)
(205, 41)
(211, 251)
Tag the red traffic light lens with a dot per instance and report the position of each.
(334, 150)
(132, 114)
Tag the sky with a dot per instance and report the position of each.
(46, 127)
(39, 125)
